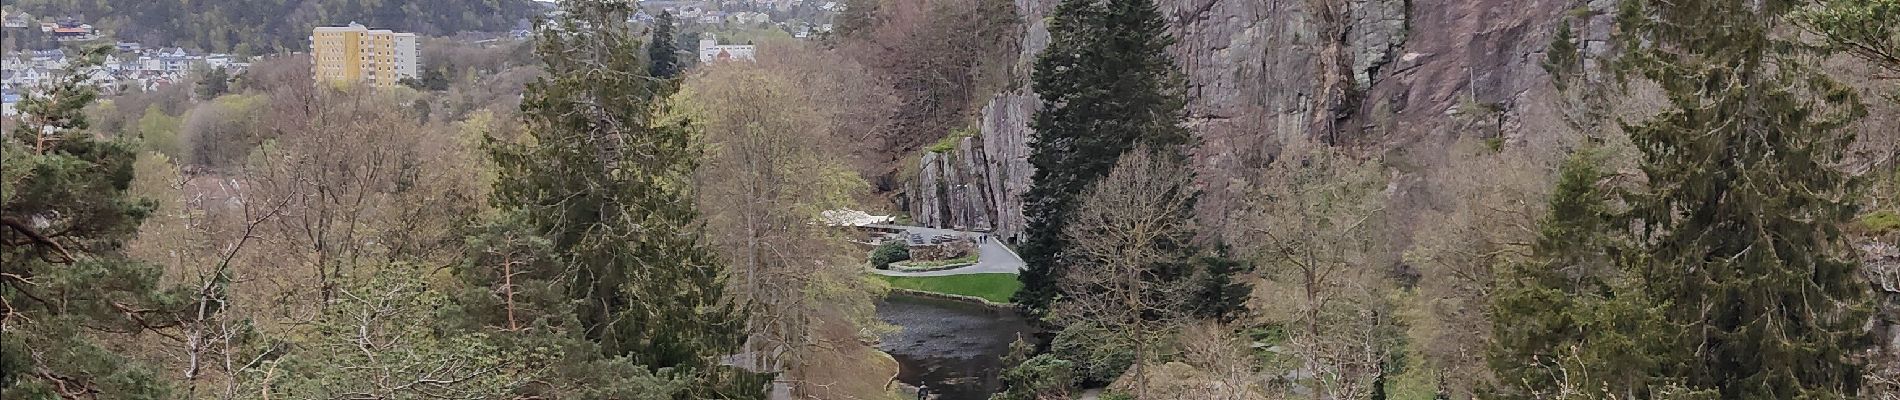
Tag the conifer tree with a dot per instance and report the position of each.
(64, 278)
(662, 52)
(1740, 239)
(1730, 275)
(214, 83)
(1107, 85)
(606, 188)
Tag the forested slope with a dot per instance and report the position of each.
(260, 26)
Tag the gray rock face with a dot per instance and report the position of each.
(952, 191)
(997, 167)
(1251, 67)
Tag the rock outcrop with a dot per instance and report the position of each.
(953, 189)
(1003, 171)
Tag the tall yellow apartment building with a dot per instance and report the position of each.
(354, 53)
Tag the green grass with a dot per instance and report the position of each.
(993, 287)
(950, 141)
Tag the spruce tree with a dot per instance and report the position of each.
(1731, 276)
(1107, 85)
(606, 188)
(1740, 236)
(1565, 311)
(662, 52)
(65, 282)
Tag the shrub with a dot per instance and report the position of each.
(1042, 377)
(1100, 356)
(885, 254)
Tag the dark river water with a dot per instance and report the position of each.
(955, 348)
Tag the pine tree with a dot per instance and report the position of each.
(662, 52)
(607, 189)
(64, 280)
(1107, 85)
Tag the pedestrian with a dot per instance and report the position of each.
(923, 392)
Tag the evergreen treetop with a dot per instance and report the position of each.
(606, 188)
(64, 280)
(662, 52)
(1107, 85)
(1727, 275)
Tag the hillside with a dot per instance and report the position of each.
(261, 26)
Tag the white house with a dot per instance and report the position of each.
(711, 51)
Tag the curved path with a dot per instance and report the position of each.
(992, 257)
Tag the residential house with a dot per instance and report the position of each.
(16, 20)
(7, 99)
(70, 31)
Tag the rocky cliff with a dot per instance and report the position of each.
(1413, 73)
(1254, 70)
(996, 182)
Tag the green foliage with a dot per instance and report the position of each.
(1880, 222)
(662, 55)
(1107, 85)
(266, 26)
(1727, 276)
(606, 188)
(373, 328)
(996, 288)
(1563, 60)
(1869, 29)
(64, 215)
(1099, 354)
(213, 83)
(159, 132)
(1217, 295)
(889, 252)
(1041, 377)
(950, 142)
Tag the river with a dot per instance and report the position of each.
(953, 347)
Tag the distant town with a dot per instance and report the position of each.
(379, 56)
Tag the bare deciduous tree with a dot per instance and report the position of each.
(1131, 234)
(773, 165)
(1319, 225)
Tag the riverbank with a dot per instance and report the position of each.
(847, 368)
(989, 289)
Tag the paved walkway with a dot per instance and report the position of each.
(991, 256)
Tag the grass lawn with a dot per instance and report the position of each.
(992, 287)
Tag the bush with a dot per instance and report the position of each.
(1042, 377)
(1100, 356)
(885, 254)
